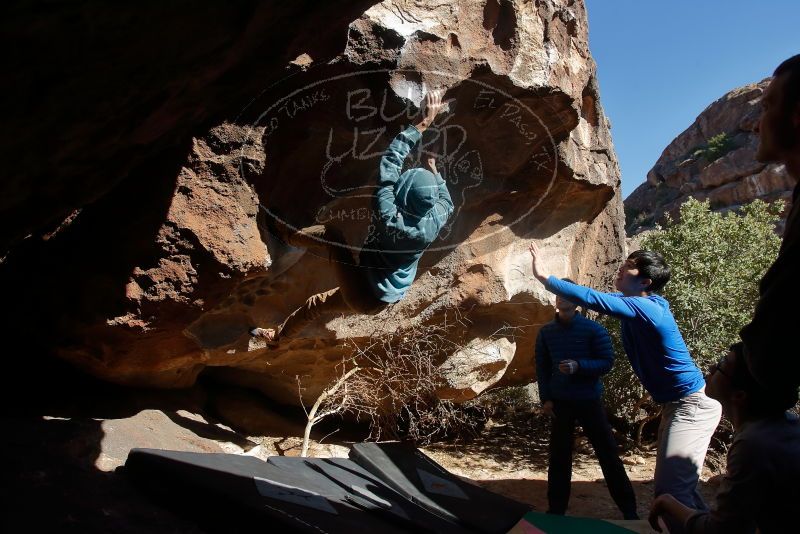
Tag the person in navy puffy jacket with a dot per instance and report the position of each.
(572, 353)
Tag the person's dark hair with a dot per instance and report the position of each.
(760, 399)
(790, 67)
(651, 265)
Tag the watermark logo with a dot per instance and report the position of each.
(483, 137)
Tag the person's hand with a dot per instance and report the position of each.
(536, 262)
(433, 105)
(658, 508)
(568, 367)
(547, 409)
(430, 164)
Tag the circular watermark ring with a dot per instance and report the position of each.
(257, 124)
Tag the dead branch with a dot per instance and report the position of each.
(328, 393)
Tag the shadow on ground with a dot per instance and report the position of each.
(64, 434)
(511, 459)
(514, 444)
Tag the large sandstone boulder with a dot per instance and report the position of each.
(152, 270)
(685, 170)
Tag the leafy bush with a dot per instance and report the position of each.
(717, 261)
(717, 146)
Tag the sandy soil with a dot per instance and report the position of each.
(511, 459)
(64, 448)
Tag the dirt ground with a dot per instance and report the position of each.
(65, 443)
(511, 459)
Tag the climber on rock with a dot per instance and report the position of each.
(411, 208)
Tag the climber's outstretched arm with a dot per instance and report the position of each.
(392, 163)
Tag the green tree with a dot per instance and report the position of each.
(717, 146)
(717, 260)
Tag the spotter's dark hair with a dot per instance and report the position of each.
(651, 265)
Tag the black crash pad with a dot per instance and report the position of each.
(273, 499)
(348, 481)
(412, 474)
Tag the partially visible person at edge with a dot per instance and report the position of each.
(771, 337)
(660, 359)
(411, 207)
(572, 353)
(761, 485)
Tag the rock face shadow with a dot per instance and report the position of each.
(152, 269)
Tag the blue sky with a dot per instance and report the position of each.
(660, 63)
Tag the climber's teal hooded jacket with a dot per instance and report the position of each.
(410, 210)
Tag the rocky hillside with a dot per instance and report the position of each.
(149, 145)
(714, 160)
